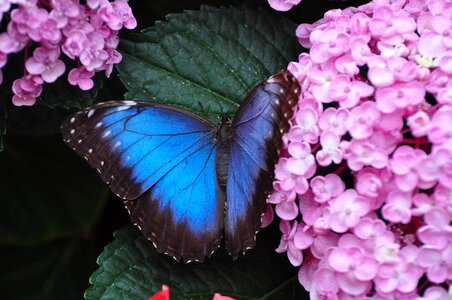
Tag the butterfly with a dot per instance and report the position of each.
(185, 181)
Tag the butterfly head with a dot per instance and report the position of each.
(225, 119)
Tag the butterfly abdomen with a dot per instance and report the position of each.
(223, 138)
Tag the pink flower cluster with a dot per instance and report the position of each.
(364, 182)
(283, 5)
(87, 33)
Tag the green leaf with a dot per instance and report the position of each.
(46, 191)
(130, 268)
(207, 60)
(61, 94)
(56, 270)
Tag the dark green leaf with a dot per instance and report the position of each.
(130, 268)
(206, 60)
(62, 94)
(57, 270)
(46, 191)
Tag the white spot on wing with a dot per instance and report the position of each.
(79, 141)
(286, 78)
(90, 113)
(128, 102)
(271, 79)
(281, 90)
(98, 124)
(72, 120)
(277, 101)
(124, 107)
(102, 163)
(72, 131)
(117, 144)
(107, 133)
(90, 150)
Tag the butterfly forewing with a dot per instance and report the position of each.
(258, 127)
(160, 160)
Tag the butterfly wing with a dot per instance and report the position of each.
(160, 160)
(258, 127)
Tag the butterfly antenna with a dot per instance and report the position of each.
(203, 109)
(206, 84)
(239, 99)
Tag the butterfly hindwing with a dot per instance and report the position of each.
(257, 136)
(159, 159)
(192, 228)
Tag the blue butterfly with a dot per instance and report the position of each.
(184, 180)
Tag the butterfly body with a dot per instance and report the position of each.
(186, 182)
(223, 140)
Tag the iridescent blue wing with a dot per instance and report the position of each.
(160, 160)
(258, 127)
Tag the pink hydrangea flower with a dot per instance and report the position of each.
(4, 7)
(403, 164)
(307, 270)
(326, 188)
(347, 92)
(26, 90)
(283, 5)
(82, 78)
(289, 181)
(86, 33)
(333, 120)
(317, 240)
(346, 210)
(324, 285)
(117, 14)
(330, 151)
(396, 277)
(287, 243)
(302, 161)
(400, 96)
(376, 101)
(353, 269)
(437, 231)
(45, 62)
(437, 262)
(435, 39)
(434, 293)
(398, 207)
(306, 126)
(369, 183)
(362, 120)
(74, 43)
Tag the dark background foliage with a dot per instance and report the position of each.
(56, 215)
